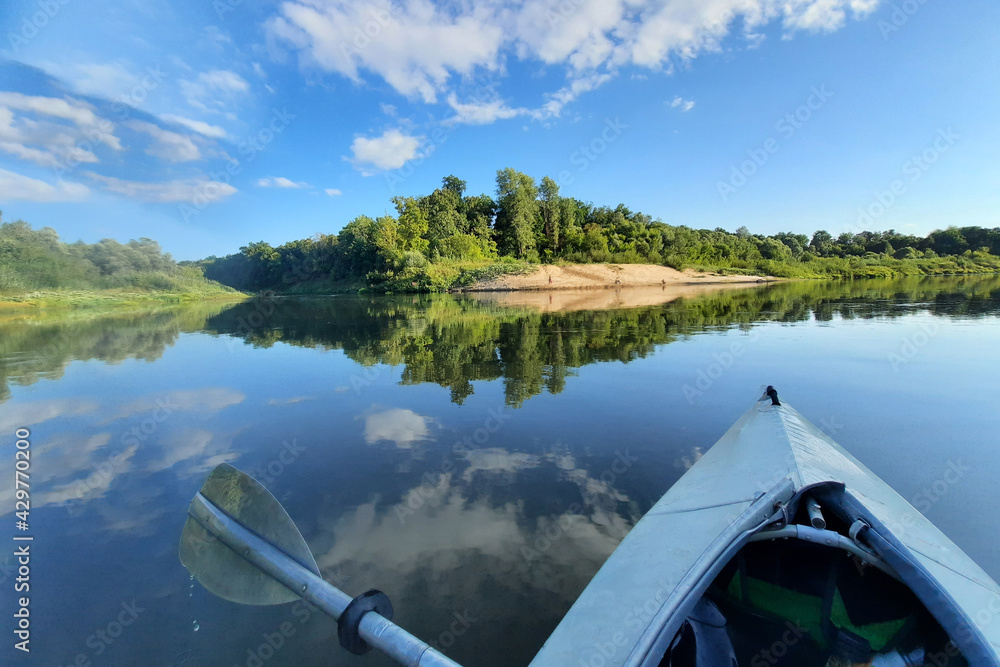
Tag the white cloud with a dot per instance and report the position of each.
(201, 127)
(280, 182)
(391, 150)
(223, 80)
(414, 45)
(558, 100)
(418, 46)
(52, 132)
(168, 145)
(683, 104)
(204, 399)
(333, 192)
(15, 187)
(824, 15)
(189, 190)
(215, 90)
(579, 33)
(199, 450)
(110, 80)
(481, 113)
(22, 415)
(80, 113)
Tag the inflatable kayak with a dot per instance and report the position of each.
(778, 545)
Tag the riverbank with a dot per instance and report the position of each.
(591, 276)
(105, 298)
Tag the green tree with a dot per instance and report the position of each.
(517, 204)
(454, 184)
(388, 239)
(480, 211)
(822, 243)
(357, 248)
(551, 210)
(444, 218)
(413, 225)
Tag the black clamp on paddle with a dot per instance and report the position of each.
(347, 625)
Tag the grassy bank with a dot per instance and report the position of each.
(93, 298)
(870, 266)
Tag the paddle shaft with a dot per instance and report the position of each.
(378, 631)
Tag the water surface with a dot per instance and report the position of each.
(475, 458)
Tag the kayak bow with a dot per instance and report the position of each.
(772, 486)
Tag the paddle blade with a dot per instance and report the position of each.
(223, 571)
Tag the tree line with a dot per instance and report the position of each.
(433, 239)
(33, 259)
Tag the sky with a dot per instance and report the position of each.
(209, 124)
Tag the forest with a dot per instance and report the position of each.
(449, 238)
(36, 259)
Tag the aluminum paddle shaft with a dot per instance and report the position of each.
(376, 630)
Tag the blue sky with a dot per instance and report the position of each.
(210, 124)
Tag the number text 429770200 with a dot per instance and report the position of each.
(22, 546)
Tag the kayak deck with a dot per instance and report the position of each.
(754, 481)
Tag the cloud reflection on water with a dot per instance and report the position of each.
(403, 427)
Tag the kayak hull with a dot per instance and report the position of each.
(748, 482)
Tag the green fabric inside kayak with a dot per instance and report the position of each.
(807, 611)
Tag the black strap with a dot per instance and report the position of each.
(347, 625)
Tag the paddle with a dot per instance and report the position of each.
(239, 542)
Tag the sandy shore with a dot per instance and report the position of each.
(588, 276)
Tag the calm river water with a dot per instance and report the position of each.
(440, 448)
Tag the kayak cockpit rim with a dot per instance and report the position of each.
(766, 510)
(868, 540)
